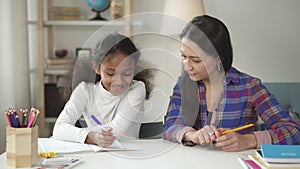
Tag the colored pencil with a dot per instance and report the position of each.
(237, 129)
(31, 121)
(37, 114)
(8, 118)
(103, 128)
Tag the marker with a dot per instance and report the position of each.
(100, 124)
(237, 129)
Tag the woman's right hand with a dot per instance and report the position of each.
(102, 138)
(203, 136)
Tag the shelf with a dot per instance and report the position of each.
(51, 71)
(50, 119)
(48, 30)
(85, 23)
(55, 72)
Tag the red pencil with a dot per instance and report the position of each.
(8, 117)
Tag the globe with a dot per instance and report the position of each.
(98, 6)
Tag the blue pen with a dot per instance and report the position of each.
(100, 124)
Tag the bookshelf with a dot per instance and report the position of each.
(46, 30)
(84, 23)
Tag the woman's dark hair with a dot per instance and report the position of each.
(104, 49)
(212, 36)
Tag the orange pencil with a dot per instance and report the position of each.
(237, 129)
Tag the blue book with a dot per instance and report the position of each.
(281, 153)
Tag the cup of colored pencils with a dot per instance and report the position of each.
(22, 137)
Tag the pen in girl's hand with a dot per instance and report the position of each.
(103, 128)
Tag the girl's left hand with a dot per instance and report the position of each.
(234, 141)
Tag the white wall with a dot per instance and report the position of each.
(13, 60)
(162, 51)
(265, 36)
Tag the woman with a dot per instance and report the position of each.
(115, 99)
(211, 96)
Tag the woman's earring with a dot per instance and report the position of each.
(219, 67)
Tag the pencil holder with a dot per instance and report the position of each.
(22, 146)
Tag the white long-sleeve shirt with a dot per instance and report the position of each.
(123, 113)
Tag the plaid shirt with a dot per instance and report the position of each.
(245, 99)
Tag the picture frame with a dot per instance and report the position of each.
(83, 53)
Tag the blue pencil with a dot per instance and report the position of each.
(100, 124)
(12, 116)
(96, 120)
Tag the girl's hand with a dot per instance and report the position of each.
(102, 138)
(234, 141)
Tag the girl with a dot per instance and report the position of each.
(116, 99)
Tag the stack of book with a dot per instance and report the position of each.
(274, 157)
(60, 64)
(64, 13)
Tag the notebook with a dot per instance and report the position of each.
(60, 146)
(281, 153)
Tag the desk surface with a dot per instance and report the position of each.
(157, 154)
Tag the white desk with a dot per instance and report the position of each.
(158, 154)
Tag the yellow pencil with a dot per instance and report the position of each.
(37, 114)
(237, 129)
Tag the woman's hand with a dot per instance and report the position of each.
(102, 138)
(203, 136)
(234, 141)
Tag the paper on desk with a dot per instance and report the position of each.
(60, 146)
(115, 147)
